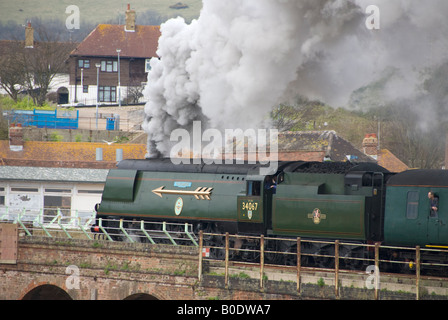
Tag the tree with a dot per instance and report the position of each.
(12, 74)
(43, 62)
(33, 69)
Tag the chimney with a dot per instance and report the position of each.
(99, 154)
(370, 145)
(130, 20)
(29, 36)
(16, 138)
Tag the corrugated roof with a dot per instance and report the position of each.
(53, 174)
(105, 39)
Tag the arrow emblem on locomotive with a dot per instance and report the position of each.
(201, 193)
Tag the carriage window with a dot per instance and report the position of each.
(253, 188)
(412, 205)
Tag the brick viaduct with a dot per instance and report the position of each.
(39, 268)
(47, 268)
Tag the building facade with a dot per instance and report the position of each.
(111, 64)
(43, 193)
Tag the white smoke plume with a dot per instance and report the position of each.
(241, 58)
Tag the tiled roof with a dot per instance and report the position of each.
(41, 152)
(105, 39)
(327, 142)
(389, 161)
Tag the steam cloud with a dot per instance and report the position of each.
(241, 58)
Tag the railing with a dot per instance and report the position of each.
(146, 232)
(328, 256)
(56, 223)
(332, 256)
(106, 121)
(50, 221)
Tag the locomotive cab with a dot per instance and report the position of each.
(254, 205)
(250, 206)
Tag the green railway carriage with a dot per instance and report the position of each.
(408, 221)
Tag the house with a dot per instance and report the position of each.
(317, 146)
(309, 146)
(383, 157)
(328, 146)
(112, 62)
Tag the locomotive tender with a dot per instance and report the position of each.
(351, 202)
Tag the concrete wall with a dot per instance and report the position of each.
(70, 135)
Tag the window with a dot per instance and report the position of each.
(54, 203)
(57, 198)
(58, 190)
(83, 63)
(147, 65)
(2, 196)
(412, 205)
(25, 189)
(109, 66)
(253, 188)
(108, 94)
(90, 191)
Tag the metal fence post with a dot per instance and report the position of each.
(261, 260)
(299, 262)
(377, 268)
(417, 271)
(201, 244)
(336, 268)
(227, 261)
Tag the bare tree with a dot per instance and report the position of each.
(33, 69)
(12, 74)
(417, 146)
(135, 92)
(43, 62)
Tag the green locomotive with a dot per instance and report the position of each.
(356, 203)
(311, 200)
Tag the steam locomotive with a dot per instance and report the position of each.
(356, 203)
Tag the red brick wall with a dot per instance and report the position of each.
(113, 270)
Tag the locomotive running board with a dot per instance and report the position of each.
(201, 193)
(437, 247)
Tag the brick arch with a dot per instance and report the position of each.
(142, 291)
(45, 291)
(141, 296)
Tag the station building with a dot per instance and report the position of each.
(33, 191)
